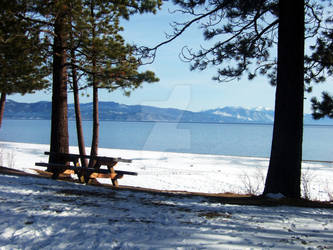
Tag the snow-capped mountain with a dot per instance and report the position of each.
(240, 114)
(113, 111)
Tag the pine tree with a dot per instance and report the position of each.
(59, 119)
(73, 41)
(244, 34)
(320, 67)
(23, 64)
(51, 18)
(284, 172)
(105, 59)
(322, 108)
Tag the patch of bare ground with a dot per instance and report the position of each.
(226, 198)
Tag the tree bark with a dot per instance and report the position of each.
(95, 135)
(284, 172)
(2, 106)
(59, 120)
(78, 119)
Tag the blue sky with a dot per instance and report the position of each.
(179, 87)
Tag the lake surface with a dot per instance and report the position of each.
(202, 138)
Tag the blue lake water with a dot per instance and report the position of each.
(202, 138)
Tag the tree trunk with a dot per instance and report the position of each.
(2, 106)
(59, 119)
(284, 172)
(95, 135)
(78, 119)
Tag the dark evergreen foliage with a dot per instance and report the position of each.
(322, 108)
(241, 39)
(320, 67)
(80, 33)
(23, 64)
(241, 36)
(101, 54)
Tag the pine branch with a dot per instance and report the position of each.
(146, 50)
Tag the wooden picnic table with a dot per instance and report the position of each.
(85, 174)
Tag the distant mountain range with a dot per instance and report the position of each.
(112, 111)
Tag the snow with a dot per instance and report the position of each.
(38, 213)
(261, 108)
(222, 113)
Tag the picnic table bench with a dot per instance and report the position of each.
(86, 173)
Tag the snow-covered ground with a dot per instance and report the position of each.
(184, 172)
(46, 214)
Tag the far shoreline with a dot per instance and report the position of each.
(171, 122)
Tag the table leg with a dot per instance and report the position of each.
(113, 175)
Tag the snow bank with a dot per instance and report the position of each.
(184, 172)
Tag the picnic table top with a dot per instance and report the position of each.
(103, 171)
(98, 158)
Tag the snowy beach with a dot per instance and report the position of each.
(47, 214)
(183, 172)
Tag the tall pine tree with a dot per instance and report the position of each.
(52, 19)
(243, 34)
(74, 41)
(104, 57)
(284, 172)
(23, 64)
(59, 141)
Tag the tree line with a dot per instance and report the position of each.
(77, 44)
